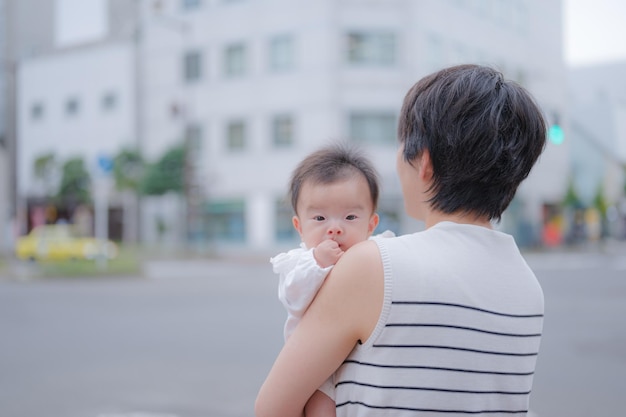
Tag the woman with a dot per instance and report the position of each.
(447, 320)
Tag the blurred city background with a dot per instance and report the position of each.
(176, 123)
(155, 139)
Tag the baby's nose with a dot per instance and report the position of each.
(334, 229)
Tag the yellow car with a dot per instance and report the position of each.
(60, 242)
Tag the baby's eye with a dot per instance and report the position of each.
(319, 218)
(351, 217)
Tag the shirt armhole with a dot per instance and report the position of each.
(388, 287)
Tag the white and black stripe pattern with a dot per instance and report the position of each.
(463, 359)
(454, 338)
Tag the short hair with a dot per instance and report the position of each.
(330, 164)
(483, 134)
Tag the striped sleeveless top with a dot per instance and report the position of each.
(459, 330)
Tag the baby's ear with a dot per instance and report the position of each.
(296, 224)
(373, 224)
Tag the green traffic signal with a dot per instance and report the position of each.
(555, 134)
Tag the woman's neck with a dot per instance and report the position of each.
(434, 217)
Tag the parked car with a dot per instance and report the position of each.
(61, 242)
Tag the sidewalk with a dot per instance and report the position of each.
(589, 255)
(611, 253)
(611, 247)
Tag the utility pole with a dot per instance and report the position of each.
(133, 226)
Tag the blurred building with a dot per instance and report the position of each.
(5, 150)
(73, 95)
(597, 108)
(76, 103)
(252, 86)
(26, 30)
(256, 85)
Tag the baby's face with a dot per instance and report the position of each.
(342, 211)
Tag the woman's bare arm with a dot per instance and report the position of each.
(345, 310)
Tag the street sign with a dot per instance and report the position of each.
(105, 163)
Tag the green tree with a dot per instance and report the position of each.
(128, 169)
(167, 174)
(601, 204)
(599, 201)
(75, 183)
(44, 169)
(571, 198)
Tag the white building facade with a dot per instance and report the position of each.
(254, 86)
(74, 104)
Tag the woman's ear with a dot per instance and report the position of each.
(425, 168)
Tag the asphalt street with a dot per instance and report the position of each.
(196, 338)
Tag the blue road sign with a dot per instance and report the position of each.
(105, 163)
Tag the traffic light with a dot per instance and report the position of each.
(555, 134)
(555, 131)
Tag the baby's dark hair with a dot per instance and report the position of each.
(330, 164)
(483, 134)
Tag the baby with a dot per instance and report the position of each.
(334, 194)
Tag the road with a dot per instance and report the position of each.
(194, 342)
(196, 339)
(581, 368)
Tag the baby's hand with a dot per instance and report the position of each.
(327, 253)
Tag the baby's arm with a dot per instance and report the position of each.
(302, 275)
(300, 283)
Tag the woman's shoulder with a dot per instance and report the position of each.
(362, 255)
(359, 280)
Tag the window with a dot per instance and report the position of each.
(108, 101)
(36, 111)
(373, 127)
(72, 106)
(236, 135)
(226, 220)
(371, 48)
(284, 226)
(282, 130)
(235, 60)
(192, 66)
(281, 56)
(191, 4)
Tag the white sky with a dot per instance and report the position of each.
(594, 31)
